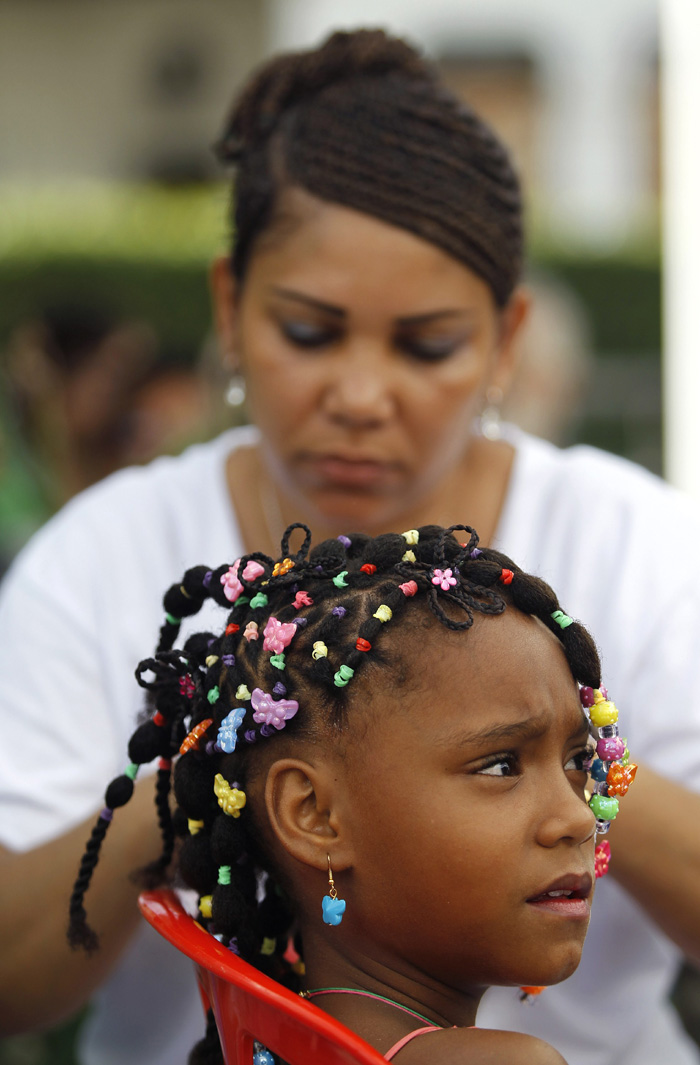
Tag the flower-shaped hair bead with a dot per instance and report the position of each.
(444, 578)
(280, 568)
(191, 740)
(302, 599)
(251, 631)
(231, 584)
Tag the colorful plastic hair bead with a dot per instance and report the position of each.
(242, 693)
(444, 579)
(319, 650)
(368, 567)
(230, 799)
(383, 613)
(338, 611)
(268, 945)
(231, 584)
(194, 826)
(259, 600)
(280, 568)
(205, 906)
(602, 858)
(344, 540)
(277, 661)
(411, 536)
(610, 750)
(278, 635)
(213, 695)
(251, 631)
(506, 576)
(302, 599)
(252, 570)
(191, 740)
(409, 588)
(228, 730)
(603, 713)
(339, 580)
(363, 645)
(211, 660)
(563, 620)
(158, 719)
(224, 876)
(186, 686)
(604, 807)
(230, 629)
(620, 777)
(408, 556)
(269, 711)
(586, 695)
(343, 675)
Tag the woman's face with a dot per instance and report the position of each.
(465, 807)
(367, 353)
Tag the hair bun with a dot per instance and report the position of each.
(287, 79)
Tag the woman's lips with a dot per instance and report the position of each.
(347, 472)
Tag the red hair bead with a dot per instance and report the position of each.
(506, 576)
(368, 567)
(230, 629)
(363, 645)
(158, 719)
(165, 763)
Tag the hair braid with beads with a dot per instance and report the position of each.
(364, 122)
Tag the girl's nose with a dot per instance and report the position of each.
(565, 816)
(361, 388)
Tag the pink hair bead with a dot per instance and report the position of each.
(609, 750)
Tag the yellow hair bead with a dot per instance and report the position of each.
(231, 800)
(211, 659)
(408, 557)
(242, 693)
(410, 536)
(194, 826)
(205, 905)
(384, 613)
(268, 946)
(603, 713)
(320, 650)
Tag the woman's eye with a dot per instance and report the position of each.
(581, 761)
(502, 766)
(305, 335)
(429, 350)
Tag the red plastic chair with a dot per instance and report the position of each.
(247, 1005)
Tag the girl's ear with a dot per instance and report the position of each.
(304, 811)
(224, 292)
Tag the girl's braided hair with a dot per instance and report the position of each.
(364, 122)
(298, 630)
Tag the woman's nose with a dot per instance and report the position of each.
(565, 815)
(361, 388)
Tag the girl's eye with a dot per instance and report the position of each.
(429, 350)
(581, 761)
(305, 335)
(503, 765)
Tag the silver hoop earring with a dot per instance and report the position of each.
(490, 420)
(235, 393)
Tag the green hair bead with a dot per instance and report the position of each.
(172, 620)
(213, 695)
(131, 770)
(260, 599)
(224, 874)
(563, 620)
(277, 661)
(344, 674)
(339, 580)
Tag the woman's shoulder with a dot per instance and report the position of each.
(478, 1046)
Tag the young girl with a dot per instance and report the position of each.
(380, 781)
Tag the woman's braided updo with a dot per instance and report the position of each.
(364, 122)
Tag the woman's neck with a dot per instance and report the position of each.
(472, 492)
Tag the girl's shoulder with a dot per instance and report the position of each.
(477, 1046)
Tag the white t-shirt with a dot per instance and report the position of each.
(82, 606)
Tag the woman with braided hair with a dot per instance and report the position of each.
(361, 710)
(370, 305)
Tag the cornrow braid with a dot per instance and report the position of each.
(297, 632)
(364, 122)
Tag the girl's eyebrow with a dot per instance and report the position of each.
(527, 729)
(338, 312)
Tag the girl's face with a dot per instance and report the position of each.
(465, 807)
(367, 353)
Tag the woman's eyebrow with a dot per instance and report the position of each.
(300, 297)
(422, 319)
(528, 728)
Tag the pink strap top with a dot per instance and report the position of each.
(407, 1039)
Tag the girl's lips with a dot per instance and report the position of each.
(564, 906)
(569, 896)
